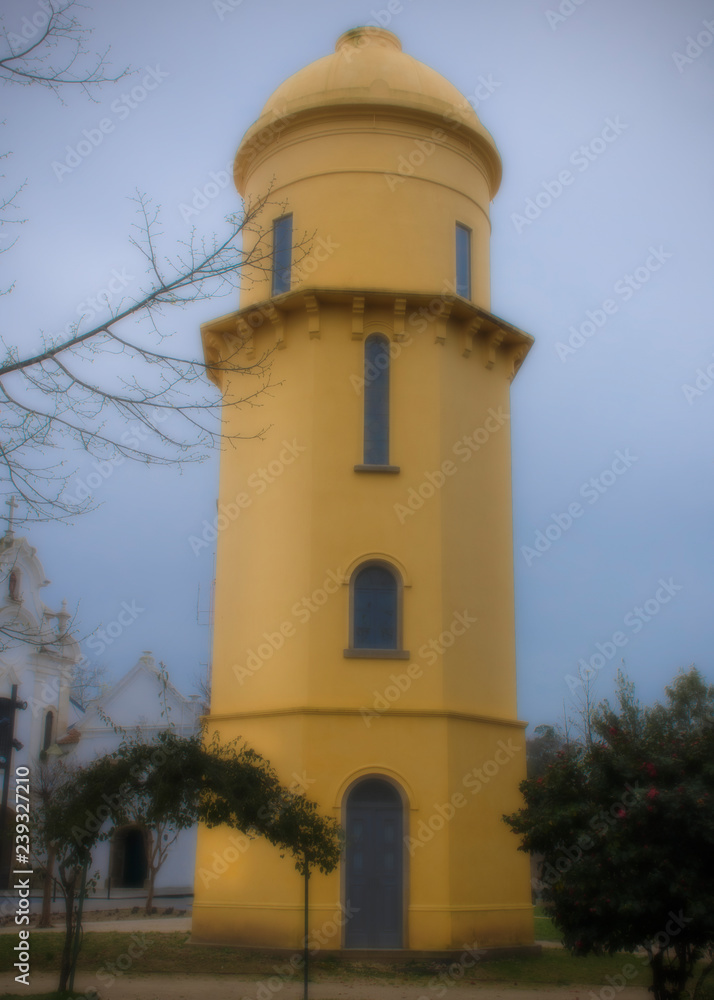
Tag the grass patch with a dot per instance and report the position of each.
(172, 953)
(543, 926)
(43, 996)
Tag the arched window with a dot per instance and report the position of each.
(47, 737)
(375, 612)
(376, 400)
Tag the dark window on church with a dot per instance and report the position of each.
(463, 261)
(282, 253)
(376, 610)
(47, 737)
(376, 400)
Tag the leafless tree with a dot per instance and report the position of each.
(118, 387)
(88, 681)
(48, 49)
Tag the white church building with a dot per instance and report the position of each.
(38, 654)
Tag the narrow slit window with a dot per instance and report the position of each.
(463, 261)
(282, 253)
(376, 400)
(47, 736)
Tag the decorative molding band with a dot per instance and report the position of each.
(358, 317)
(429, 713)
(457, 317)
(400, 311)
(494, 339)
(313, 316)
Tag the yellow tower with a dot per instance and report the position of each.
(364, 633)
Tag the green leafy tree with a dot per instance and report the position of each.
(625, 826)
(179, 781)
(542, 749)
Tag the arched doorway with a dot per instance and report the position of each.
(129, 864)
(374, 866)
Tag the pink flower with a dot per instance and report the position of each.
(652, 794)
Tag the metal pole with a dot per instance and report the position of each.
(307, 951)
(78, 926)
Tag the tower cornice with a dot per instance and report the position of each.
(479, 331)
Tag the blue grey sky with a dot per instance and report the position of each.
(601, 248)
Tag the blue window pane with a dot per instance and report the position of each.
(463, 261)
(282, 253)
(376, 400)
(375, 609)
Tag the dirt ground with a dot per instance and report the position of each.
(228, 988)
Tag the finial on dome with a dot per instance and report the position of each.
(356, 38)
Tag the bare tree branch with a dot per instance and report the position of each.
(49, 50)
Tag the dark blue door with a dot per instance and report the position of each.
(374, 866)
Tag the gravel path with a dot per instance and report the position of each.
(195, 987)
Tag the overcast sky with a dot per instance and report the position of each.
(601, 248)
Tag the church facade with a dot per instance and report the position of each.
(364, 624)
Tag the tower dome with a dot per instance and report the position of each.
(368, 69)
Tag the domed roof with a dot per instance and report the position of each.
(369, 68)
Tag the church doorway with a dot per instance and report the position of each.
(374, 866)
(129, 863)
